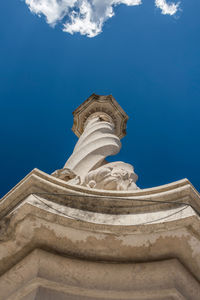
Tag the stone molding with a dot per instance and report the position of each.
(101, 104)
(86, 232)
(50, 276)
(102, 201)
(67, 226)
(108, 226)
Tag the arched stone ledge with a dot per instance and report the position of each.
(59, 191)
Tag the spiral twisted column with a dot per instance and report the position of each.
(97, 141)
(100, 123)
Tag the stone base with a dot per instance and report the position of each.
(59, 241)
(45, 276)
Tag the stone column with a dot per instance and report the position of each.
(96, 143)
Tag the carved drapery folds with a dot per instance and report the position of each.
(100, 123)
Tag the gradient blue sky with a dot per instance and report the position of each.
(148, 61)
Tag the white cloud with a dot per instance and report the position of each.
(86, 16)
(53, 10)
(167, 8)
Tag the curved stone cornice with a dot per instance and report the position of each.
(37, 224)
(107, 226)
(102, 201)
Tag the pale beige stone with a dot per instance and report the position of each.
(42, 275)
(100, 225)
(107, 106)
(61, 240)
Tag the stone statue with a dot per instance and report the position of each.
(100, 123)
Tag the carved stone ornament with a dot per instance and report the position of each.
(100, 123)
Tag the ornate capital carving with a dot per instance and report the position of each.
(96, 104)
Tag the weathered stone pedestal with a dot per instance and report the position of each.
(61, 239)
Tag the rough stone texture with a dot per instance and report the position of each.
(88, 233)
(99, 244)
(42, 275)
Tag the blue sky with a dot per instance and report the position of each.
(150, 63)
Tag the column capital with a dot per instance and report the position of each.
(100, 105)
